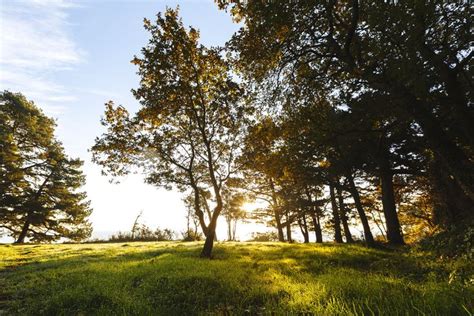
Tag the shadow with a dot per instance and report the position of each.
(242, 278)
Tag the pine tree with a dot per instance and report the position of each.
(39, 197)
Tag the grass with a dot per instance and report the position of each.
(168, 278)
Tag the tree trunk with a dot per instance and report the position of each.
(281, 237)
(234, 230)
(343, 211)
(305, 226)
(198, 210)
(24, 231)
(276, 211)
(317, 227)
(363, 218)
(288, 227)
(335, 213)
(304, 229)
(211, 236)
(208, 244)
(315, 217)
(394, 234)
(229, 230)
(381, 228)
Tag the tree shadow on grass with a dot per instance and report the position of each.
(316, 259)
(241, 279)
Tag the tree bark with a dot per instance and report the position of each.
(315, 217)
(209, 243)
(198, 211)
(276, 211)
(343, 211)
(288, 227)
(304, 229)
(363, 218)
(335, 213)
(234, 230)
(229, 230)
(281, 236)
(24, 231)
(26, 225)
(394, 234)
(317, 227)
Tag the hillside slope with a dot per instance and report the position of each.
(243, 278)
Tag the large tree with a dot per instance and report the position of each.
(416, 54)
(39, 185)
(187, 132)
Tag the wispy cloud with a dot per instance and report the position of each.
(34, 45)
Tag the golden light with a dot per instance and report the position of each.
(249, 226)
(250, 206)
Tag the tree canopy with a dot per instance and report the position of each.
(397, 79)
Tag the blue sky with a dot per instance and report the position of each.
(70, 57)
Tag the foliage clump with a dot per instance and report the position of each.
(264, 237)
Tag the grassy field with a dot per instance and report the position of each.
(243, 278)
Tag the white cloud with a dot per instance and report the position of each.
(34, 45)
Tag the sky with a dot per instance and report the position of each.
(70, 57)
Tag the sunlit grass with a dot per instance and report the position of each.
(170, 279)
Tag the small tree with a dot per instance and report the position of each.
(233, 213)
(192, 221)
(135, 224)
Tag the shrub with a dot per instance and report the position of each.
(266, 236)
(192, 235)
(144, 233)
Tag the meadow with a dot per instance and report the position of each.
(169, 278)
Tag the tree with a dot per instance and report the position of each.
(136, 224)
(188, 129)
(39, 197)
(417, 54)
(317, 139)
(233, 212)
(262, 166)
(191, 233)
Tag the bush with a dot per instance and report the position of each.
(144, 233)
(192, 235)
(266, 236)
(455, 242)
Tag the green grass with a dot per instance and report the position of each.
(243, 278)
